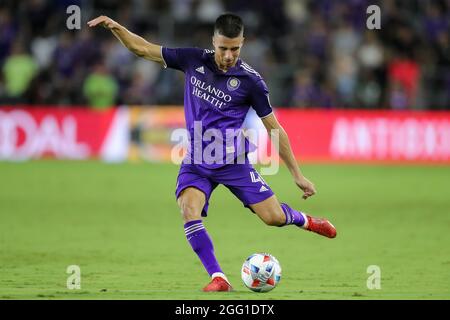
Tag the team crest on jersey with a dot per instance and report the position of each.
(233, 84)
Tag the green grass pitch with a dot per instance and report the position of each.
(120, 224)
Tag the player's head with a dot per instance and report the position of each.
(228, 39)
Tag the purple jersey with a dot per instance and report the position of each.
(217, 102)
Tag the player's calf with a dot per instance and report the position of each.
(273, 220)
(269, 212)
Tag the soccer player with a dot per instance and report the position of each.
(219, 90)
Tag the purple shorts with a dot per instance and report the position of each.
(242, 180)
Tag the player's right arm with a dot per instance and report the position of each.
(136, 44)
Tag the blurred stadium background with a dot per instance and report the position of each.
(318, 53)
(368, 111)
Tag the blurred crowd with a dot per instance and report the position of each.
(312, 53)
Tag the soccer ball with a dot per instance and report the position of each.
(261, 272)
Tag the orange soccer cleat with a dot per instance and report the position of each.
(321, 226)
(218, 284)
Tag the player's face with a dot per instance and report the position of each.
(227, 50)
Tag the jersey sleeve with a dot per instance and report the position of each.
(259, 99)
(179, 58)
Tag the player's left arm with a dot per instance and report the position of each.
(285, 151)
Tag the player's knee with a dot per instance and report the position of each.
(189, 211)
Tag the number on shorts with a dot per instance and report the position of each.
(256, 177)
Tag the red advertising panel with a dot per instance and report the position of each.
(62, 133)
(368, 135)
(148, 134)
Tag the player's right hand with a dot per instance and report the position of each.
(103, 21)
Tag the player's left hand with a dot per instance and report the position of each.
(104, 22)
(307, 187)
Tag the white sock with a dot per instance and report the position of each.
(305, 225)
(219, 274)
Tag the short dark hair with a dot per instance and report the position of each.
(229, 25)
